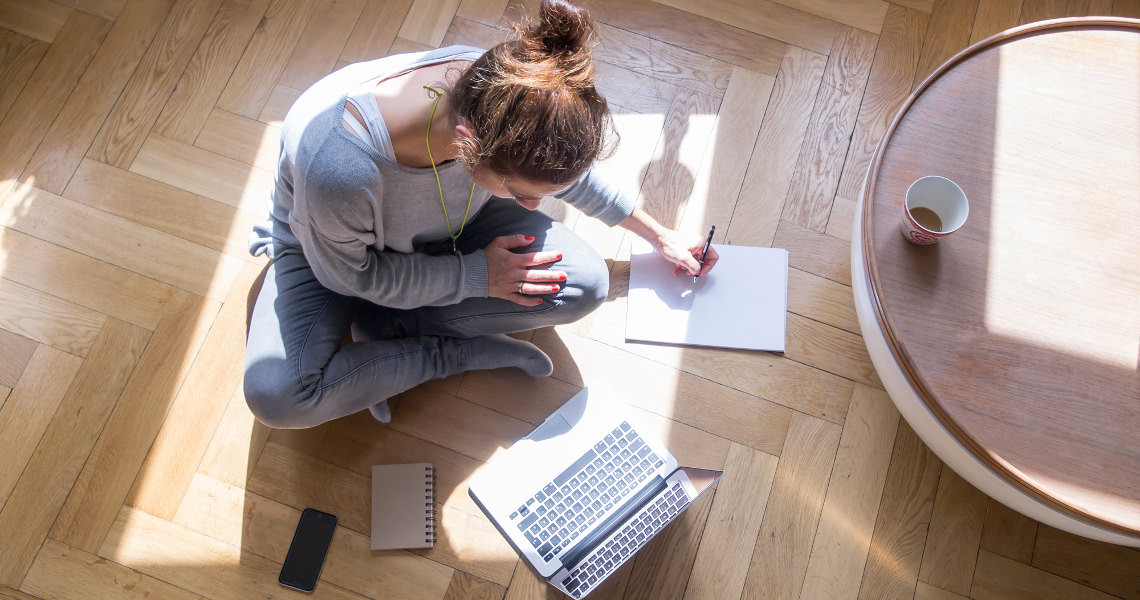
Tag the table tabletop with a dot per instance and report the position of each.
(1021, 331)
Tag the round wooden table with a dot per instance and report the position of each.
(1013, 346)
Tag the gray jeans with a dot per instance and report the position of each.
(299, 374)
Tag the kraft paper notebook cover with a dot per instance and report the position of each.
(742, 303)
(403, 514)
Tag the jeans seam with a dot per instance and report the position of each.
(554, 304)
(305, 345)
(324, 387)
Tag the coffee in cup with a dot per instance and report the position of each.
(935, 207)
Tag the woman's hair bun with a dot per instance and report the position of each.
(562, 27)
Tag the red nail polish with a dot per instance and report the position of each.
(529, 238)
(563, 278)
(559, 256)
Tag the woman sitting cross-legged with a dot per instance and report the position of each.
(404, 212)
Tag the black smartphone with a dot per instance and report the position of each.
(307, 551)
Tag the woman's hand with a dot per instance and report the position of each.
(508, 276)
(684, 251)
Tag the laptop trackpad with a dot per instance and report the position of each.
(553, 427)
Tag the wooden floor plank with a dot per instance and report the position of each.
(465, 32)
(205, 173)
(265, 57)
(48, 320)
(947, 33)
(773, 159)
(772, 20)
(1041, 10)
(642, 54)
(154, 80)
(469, 587)
(281, 99)
(19, 56)
(487, 12)
(427, 21)
(730, 44)
(721, 175)
(633, 91)
(888, 85)
(925, 591)
(822, 299)
(196, 562)
(245, 140)
(670, 178)
(60, 453)
(783, 547)
(994, 16)
(237, 444)
(163, 207)
(955, 535)
(820, 161)
(38, 20)
(15, 352)
(26, 415)
(264, 528)
(721, 564)
(83, 280)
(197, 409)
(202, 81)
(847, 521)
(895, 555)
(86, 110)
(814, 252)
(115, 240)
(998, 577)
(867, 15)
(45, 93)
(839, 224)
(375, 30)
(107, 9)
(65, 573)
(829, 349)
(1008, 533)
(123, 444)
(7, 593)
(321, 43)
(1108, 568)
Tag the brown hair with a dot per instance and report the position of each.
(531, 101)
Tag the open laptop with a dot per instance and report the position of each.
(585, 491)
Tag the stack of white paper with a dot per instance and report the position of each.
(742, 303)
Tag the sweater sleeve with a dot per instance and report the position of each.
(339, 239)
(594, 195)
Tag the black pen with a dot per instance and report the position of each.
(704, 253)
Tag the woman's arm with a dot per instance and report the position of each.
(679, 248)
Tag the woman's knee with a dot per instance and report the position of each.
(586, 289)
(276, 400)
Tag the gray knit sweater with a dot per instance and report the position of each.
(359, 217)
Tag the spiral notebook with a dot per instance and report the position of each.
(403, 513)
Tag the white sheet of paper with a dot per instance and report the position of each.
(742, 303)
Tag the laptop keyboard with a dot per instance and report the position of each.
(626, 541)
(576, 499)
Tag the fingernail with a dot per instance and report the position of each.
(529, 238)
(563, 278)
(559, 256)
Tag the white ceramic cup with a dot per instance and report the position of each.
(941, 196)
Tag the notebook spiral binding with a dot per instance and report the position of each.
(429, 495)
